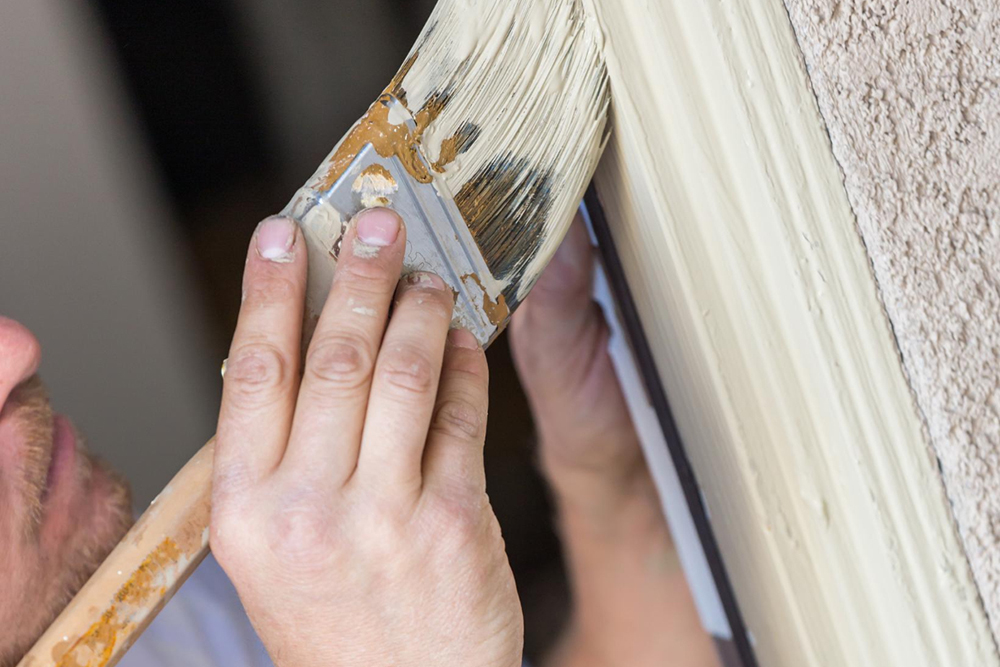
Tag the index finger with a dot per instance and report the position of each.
(262, 376)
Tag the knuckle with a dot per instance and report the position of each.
(470, 363)
(255, 371)
(458, 418)
(407, 369)
(364, 276)
(226, 527)
(458, 517)
(434, 302)
(341, 361)
(269, 289)
(301, 534)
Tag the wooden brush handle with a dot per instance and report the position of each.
(142, 573)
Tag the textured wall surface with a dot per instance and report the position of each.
(909, 91)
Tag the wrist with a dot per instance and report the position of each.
(588, 471)
(606, 507)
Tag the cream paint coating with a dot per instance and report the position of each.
(322, 227)
(755, 290)
(911, 95)
(364, 250)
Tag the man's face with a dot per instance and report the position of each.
(61, 510)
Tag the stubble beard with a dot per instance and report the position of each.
(81, 552)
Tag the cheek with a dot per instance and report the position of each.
(37, 579)
(25, 437)
(35, 585)
(9, 466)
(9, 523)
(23, 585)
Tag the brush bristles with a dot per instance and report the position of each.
(513, 96)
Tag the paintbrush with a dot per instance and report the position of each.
(484, 143)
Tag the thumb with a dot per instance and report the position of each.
(560, 345)
(559, 336)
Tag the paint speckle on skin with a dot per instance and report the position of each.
(284, 258)
(364, 250)
(367, 312)
(420, 280)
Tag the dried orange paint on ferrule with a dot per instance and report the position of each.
(497, 311)
(387, 138)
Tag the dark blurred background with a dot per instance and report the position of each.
(140, 143)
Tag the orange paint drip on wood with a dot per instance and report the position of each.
(96, 646)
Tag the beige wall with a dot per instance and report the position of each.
(85, 259)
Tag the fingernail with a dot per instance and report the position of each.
(378, 226)
(275, 237)
(425, 280)
(463, 338)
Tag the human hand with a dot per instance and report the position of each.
(349, 504)
(588, 446)
(631, 602)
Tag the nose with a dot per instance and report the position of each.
(20, 353)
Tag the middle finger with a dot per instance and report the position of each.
(329, 416)
(405, 384)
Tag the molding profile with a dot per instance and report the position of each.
(754, 288)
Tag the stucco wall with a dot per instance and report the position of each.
(909, 92)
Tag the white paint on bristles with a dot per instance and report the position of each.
(530, 75)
